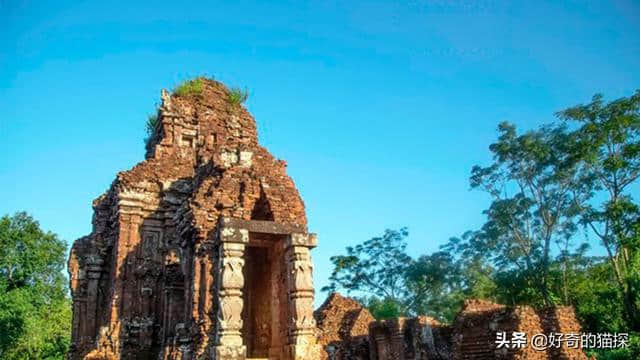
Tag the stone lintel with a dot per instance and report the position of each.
(302, 239)
(261, 226)
(233, 235)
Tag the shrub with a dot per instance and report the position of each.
(189, 87)
(152, 123)
(35, 310)
(238, 96)
(150, 127)
(630, 353)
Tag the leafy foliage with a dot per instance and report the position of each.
(150, 127)
(35, 312)
(535, 185)
(152, 123)
(597, 301)
(630, 353)
(609, 151)
(390, 283)
(383, 308)
(375, 268)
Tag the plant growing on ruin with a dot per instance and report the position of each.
(190, 87)
(152, 123)
(150, 127)
(238, 96)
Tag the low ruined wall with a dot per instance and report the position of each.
(343, 328)
(475, 328)
(418, 338)
(346, 330)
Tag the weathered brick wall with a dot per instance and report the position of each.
(417, 338)
(471, 336)
(475, 328)
(343, 328)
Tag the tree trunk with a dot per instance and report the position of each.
(545, 292)
(632, 313)
(545, 273)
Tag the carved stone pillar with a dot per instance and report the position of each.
(94, 272)
(302, 342)
(397, 328)
(229, 271)
(382, 348)
(83, 341)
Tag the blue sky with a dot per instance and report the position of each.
(380, 108)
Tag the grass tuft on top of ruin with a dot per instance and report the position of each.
(238, 96)
(190, 87)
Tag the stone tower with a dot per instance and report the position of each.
(201, 251)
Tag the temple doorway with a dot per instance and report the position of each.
(263, 289)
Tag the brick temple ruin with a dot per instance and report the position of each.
(202, 251)
(347, 331)
(199, 251)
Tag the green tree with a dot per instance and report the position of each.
(609, 149)
(390, 283)
(597, 301)
(386, 308)
(375, 271)
(433, 282)
(35, 312)
(535, 185)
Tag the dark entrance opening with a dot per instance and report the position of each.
(257, 316)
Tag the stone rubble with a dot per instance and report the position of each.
(471, 336)
(343, 328)
(476, 326)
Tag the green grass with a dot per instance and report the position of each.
(238, 96)
(189, 87)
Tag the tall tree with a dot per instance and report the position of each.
(534, 183)
(391, 283)
(374, 269)
(35, 312)
(440, 282)
(609, 148)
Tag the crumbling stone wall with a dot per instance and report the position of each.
(343, 328)
(475, 327)
(471, 336)
(162, 273)
(418, 338)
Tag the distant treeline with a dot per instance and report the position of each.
(555, 192)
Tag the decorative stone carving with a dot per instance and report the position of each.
(166, 100)
(229, 343)
(148, 272)
(302, 341)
